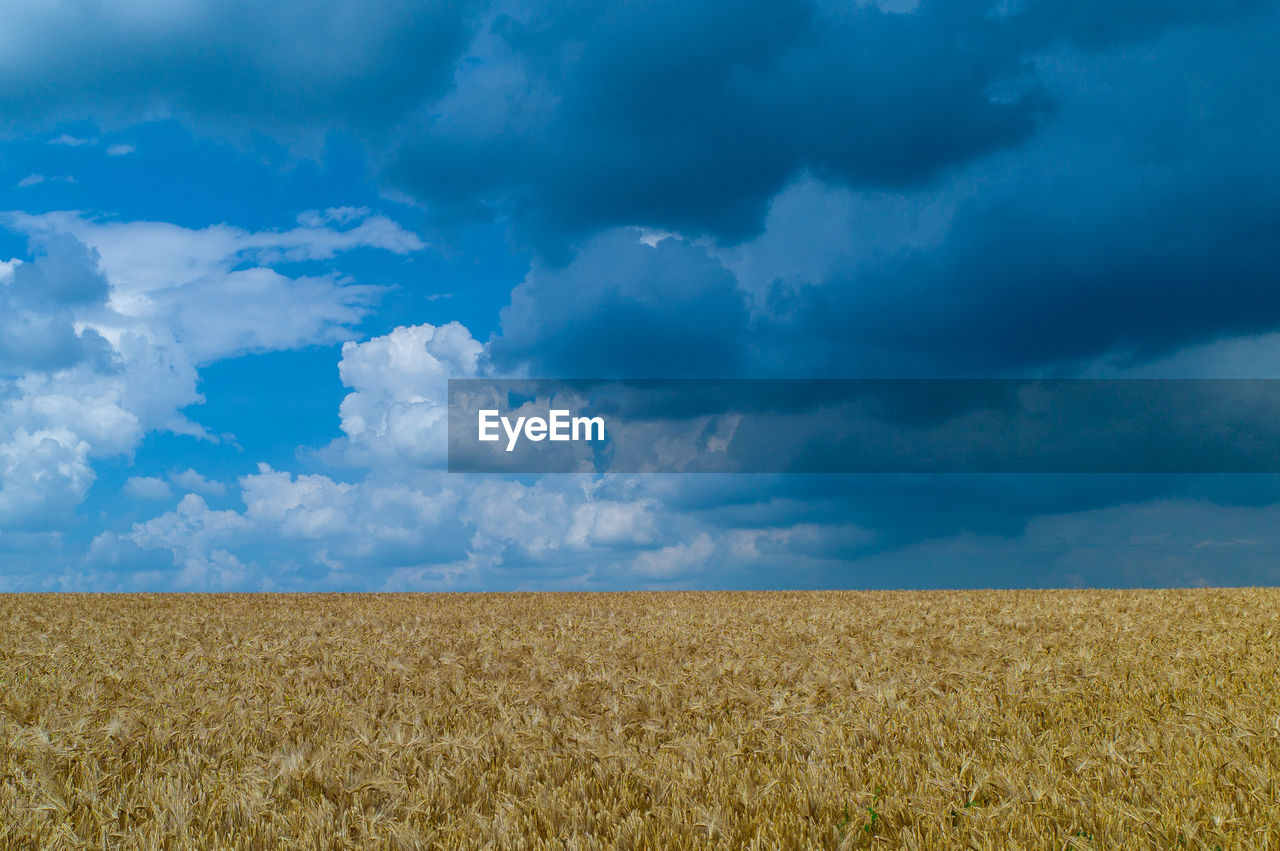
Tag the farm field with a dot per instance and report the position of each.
(986, 719)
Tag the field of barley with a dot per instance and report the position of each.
(1090, 719)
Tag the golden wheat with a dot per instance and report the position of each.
(1097, 719)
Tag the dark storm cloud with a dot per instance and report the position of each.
(623, 308)
(280, 68)
(1018, 286)
(570, 118)
(690, 116)
(1100, 23)
(982, 530)
(1141, 221)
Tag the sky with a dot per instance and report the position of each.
(244, 246)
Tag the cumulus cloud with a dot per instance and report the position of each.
(193, 282)
(189, 481)
(38, 307)
(575, 118)
(102, 332)
(434, 531)
(191, 533)
(737, 107)
(258, 310)
(120, 149)
(60, 421)
(403, 522)
(147, 487)
(296, 530)
(398, 405)
(815, 229)
(677, 560)
(67, 392)
(44, 474)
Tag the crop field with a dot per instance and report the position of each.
(985, 719)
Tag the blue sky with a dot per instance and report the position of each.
(243, 247)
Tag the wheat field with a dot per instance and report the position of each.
(983, 719)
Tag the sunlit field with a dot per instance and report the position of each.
(1096, 719)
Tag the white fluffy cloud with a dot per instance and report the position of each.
(213, 289)
(402, 513)
(147, 487)
(103, 332)
(39, 305)
(193, 533)
(190, 481)
(403, 522)
(677, 560)
(400, 522)
(43, 475)
(53, 425)
(68, 393)
(292, 524)
(397, 410)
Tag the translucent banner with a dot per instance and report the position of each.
(865, 426)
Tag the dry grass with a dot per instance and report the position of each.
(932, 720)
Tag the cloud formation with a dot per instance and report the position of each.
(572, 118)
(396, 521)
(285, 68)
(624, 308)
(102, 333)
(397, 410)
(790, 189)
(214, 289)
